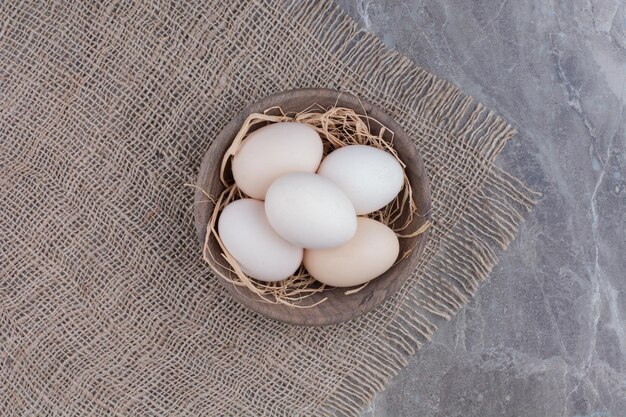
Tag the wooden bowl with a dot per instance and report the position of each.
(338, 307)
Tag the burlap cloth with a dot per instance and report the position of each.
(106, 307)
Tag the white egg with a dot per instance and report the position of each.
(370, 177)
(310, 211)
(272, 151)
(371, 252)
(249, 238)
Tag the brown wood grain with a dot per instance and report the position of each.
(338, 307)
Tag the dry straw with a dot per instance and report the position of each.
(337, 126)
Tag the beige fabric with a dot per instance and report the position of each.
(106, 307)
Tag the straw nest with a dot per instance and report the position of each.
(337, 126)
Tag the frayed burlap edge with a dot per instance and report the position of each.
(452, 268)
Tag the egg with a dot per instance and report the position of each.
(272, 151)
(371, 252)
(310, 211)
(249, 238)
(369, 176)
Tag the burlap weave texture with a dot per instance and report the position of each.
(106, 110)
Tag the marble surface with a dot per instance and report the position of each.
(546, 335)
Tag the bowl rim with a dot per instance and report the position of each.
(203, 208)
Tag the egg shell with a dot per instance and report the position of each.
(310, 211)
(369, 176)
(371, 252)
(249, 238)
(272, 151)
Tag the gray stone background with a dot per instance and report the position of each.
(546, 335)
